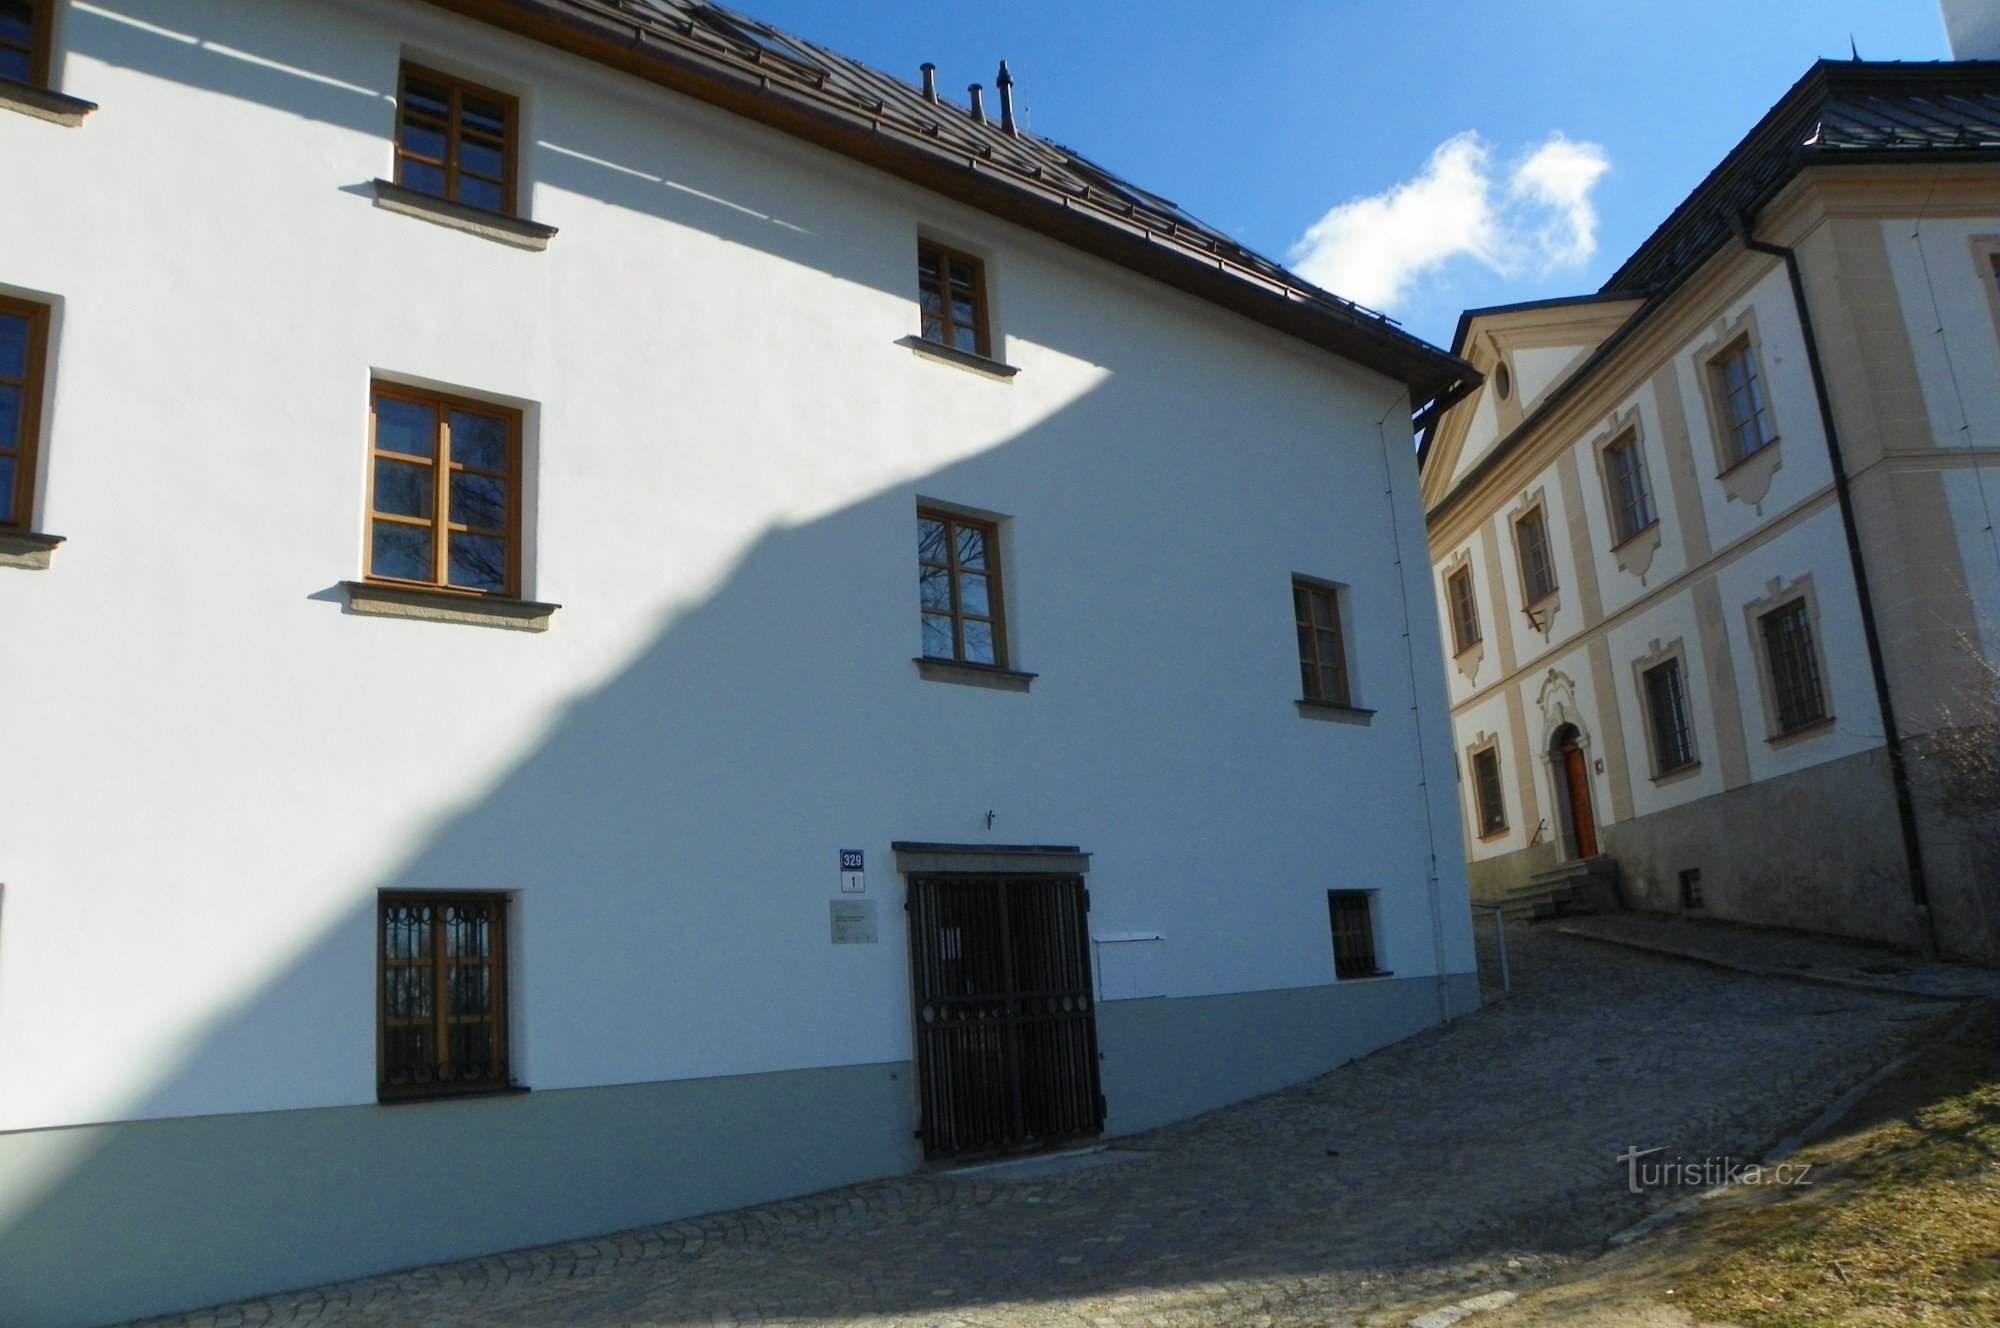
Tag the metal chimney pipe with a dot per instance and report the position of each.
(1005, 82)
(978, 102)
(930, 81)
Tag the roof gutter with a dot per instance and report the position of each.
(1899, 772)
(599, 34)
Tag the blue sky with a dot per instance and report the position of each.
(1261, 116)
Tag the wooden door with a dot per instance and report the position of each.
(1582, 821)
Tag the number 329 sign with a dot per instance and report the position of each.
(853, 878)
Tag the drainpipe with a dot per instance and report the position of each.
(1899, 770)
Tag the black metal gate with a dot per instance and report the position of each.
(1006, 1030)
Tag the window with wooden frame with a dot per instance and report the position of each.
(1353, 934)
(1464, 606)
(26, 40)
(1538, 569)
(1631, 494)
(958, 589)
(1744, 413)
(1667, 717)
(951, 295)
(444, 492)
(1488, 802)
(442, 1024)
(24, 339)
(1799, 699)
(457, 140)
(1322, 647)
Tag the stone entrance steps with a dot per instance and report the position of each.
(1587, 885)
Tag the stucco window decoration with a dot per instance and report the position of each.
(1461, 598)
(1742, 424)
(1662, 684)
(1791, 664)
(1628, 494)
(1535, 556)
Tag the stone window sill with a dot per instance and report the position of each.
(1365, 977)
(484, 222)
(962, 359)
(973, 675)
(1678, 773)
(1803, 733)
(382, 600)
(1492, 835)
(1334, 713)
(26, 549)
(44, 103)
(452, 1095)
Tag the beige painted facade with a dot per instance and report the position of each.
(1787, 814)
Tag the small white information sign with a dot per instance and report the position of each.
(853, 921)
(853, 878)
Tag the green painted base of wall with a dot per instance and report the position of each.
(103, 1223)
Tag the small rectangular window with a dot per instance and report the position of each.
(1739, 388)
(1353, 934)
(1666, 709)
(958, 589)
(1487, 800)
(456, 140)
(442, 1026)
(24, 335)
(445, 492)
(1631, 496)
(1795, 682)
(1464, 607)
(951, 293)
(1322, 651)
(1538, 573)
(25, 30)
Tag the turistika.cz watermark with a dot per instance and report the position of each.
(1705, 1173)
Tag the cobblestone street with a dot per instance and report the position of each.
(1463, 1160)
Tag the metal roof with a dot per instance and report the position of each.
(748, 66)
(1840, 111)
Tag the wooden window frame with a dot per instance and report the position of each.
(996, 617)
(441, 1018)
(41, 44)
(1313, 660)
(1489, 818)
(982, 325)
(456, 90)
(1462, 606)
(1535, 517)
(1743, 346)
(1630, 492)
(442, 469)
(1351, 914)
(1802, 656)
(17, 513)
(1682, 720)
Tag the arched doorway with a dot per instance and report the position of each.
(1573, 788)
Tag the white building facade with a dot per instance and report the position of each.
(1686, 521)
(510, 597)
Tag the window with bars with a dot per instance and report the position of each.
(1322, 647)
(951, 293)
(443, 1002)
(1631, 496)
(1538, 570)
(1666, 712)
(958, 589)
(1353, 933)
(445, 480)
(1795, 682)
(25, 30)
(1464, 605)
(1739, 395)
(1487, 800)
(456, 140)
(24, 335)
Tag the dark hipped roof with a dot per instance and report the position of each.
(1841, 112)
(734, 61)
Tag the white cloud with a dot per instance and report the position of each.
(1536, 215)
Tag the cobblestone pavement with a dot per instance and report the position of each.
(1459, 1161)
(1775, 953)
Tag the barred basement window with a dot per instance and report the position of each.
(1486, 794)
(1739, 394)
(1538, 572)
(1795, 684)
(1666, 710)
(1322, 651)
(1631, 496)
(1464, 610)
(951, 292)
(445, 485)
(443, 1022)
(1353, 934)
(456, 140)
(958, 589)
(25, 30)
